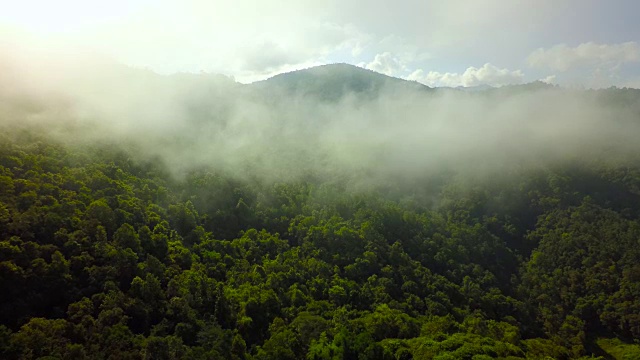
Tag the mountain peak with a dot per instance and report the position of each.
(332, 81)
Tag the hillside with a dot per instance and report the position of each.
(194, 219)
(335, 81)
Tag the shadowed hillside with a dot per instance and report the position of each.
(335, 81)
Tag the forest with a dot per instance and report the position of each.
(269, 232)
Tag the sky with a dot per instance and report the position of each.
(573, 43)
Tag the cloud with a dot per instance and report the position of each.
(562, 57)
(631, 83)
(243, 38)
(193, 122)
(386, 63)
(394, 55)
(267, 56)
(549, 79)
(438, 25)
(251, 40)
(486, 75)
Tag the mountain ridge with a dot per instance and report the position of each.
(333, 81)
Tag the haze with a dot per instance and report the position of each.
(319, 179)
(285, 128)
(439, 43)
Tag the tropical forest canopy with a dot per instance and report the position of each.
(329, 213)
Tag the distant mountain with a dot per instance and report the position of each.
(332, 82)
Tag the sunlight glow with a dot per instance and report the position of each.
(65, 16)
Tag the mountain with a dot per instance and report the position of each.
(192, 217)
(332, 82)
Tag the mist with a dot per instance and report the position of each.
(272, 133)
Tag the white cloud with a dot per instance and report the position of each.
(486, 75)
(395, 62)
(267, 56)
(386, 63)
(562, 57)
(551, 79)
(249, 39)
(438, 25)
(244, 38)
(402, 49)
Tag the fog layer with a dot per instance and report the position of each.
(272, 132)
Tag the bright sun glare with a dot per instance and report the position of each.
(62, 17)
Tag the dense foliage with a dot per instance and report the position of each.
(106, 257)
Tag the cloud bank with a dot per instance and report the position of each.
(562, 57)
(385, 63)
(486, 75)
(253, 40)
(203, 121)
